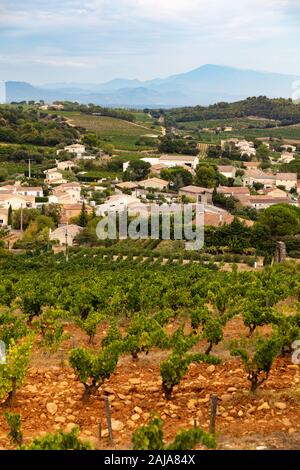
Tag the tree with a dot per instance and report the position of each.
(143, 334)
(280, 220)
(137, 170)
(257, 357)
(13, 372)
(212, 332)
(89, 324)
(93, 369)
(9, 216)
(173, 369)
(208, 177)
(83, 217)
(255, 314)
(14, 423)
(151, 437)
(177, 176)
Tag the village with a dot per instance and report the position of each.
(245, 182)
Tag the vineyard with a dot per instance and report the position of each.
(156, 342)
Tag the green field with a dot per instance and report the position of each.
(237, 124)
(122, 134)
(288, 132)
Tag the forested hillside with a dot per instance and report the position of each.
(282, 110)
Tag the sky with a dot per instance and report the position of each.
(92, 41)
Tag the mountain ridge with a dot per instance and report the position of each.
(204, 85)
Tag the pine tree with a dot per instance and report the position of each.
(83, 217)
(9, 216)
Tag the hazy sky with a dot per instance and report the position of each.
(45, 41)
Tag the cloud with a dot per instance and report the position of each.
(93, 33)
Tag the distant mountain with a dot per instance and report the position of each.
(203, 86)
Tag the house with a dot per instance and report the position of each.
(258, 176)
(286, 157)
(251, 165)
(154, 183)
(3, 217)
(16, 201)
(117, 202)
(263, 202)
(242, 194)
(72, 210)
(65, 233)
(7, 189)
(228, 129)
(201, 195)
(61, 197)
(276, 192)
(288, 147)
(76, 149)
(30, 191)
(72, 190)
(228, 171)
(288, 180)
(180, 160)
(53, 176)
(126, 185)
(246, 148)
(65, 165)
(215, 216)
(156, 168)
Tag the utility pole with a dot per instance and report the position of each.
(67, 251)
(29, 168)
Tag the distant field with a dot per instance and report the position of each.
(238, 123)
(122, 134)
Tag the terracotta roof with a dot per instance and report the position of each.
(233, 190)
(286, 176)
(270, 200)
(153, 181)
(196, 189)
(251, 164)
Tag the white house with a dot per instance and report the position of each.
(288, 180)
(76, 149)
(288, 147)
(16, 201)
(263, 202)
(118, 202)
(65, 165)
(257, 176)
(228, 171)
(200, 195)
(287, 157)
(180, 160)
(30, 191)
(53, 176)
(154, 183)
